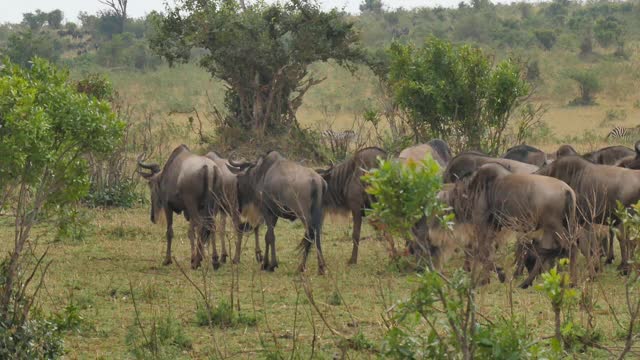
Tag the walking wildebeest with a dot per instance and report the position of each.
(280, 188)
(438, 149)
(227, 197)
(631, 161)
(466, 163)
(346, 192)
(598, 187)
(526, 154)
(609, 155)
(185, 184)
(493, 198)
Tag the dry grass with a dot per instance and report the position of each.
(126, 248)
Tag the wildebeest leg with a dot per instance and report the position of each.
(235, 219)
(256, 235)
(270, 243)
(223, 237)
(209, 229)
(192, 238)
(534, 272)
(573, 266)
(624, 252)
(169, 217)
(521, 254)
(610, 250)
(355, 236)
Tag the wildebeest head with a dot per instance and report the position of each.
(153, 180)
(247, 175)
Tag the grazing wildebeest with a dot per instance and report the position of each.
(227, 198)
(494, 198)
(280, 188)
(185, 184)
(438, 149)
(346, 192)
(598, 187)
(631, 161)
(526, 154)
(466, 163)
(609, 155)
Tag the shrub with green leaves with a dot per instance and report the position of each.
(454, 92)
(404, 193)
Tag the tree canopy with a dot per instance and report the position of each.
(262, 51)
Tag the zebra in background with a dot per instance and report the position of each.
(338, 141)
(626, 134)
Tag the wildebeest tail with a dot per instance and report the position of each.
(314, 223)
(209, 186)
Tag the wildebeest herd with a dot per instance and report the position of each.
(553, 202)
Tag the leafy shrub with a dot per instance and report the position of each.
(69, 319)
(23, 46)
(73, 224)
(124, 194)
(547, 38)
(222, 316)
(34, 339)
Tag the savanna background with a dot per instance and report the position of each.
(106, 290)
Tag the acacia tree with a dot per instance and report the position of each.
(46, 131)
(262, 51)
(456, 93)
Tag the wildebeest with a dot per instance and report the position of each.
(438, 149)
(598, 187)
(631, 161)
(466, 163)
(609, 155)
(526, 154)
(346, 192)
(185, 184)
(494, 198)
(227, 198)
(280, 188)
(565, 150)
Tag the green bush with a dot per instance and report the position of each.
(588, 84)
(123, 194)
(73, 224)
(34, 339)
(23, 46)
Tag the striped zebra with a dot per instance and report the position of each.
(338, 141)
(626, 134)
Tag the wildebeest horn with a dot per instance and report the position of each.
(155, 168)
(239, 165)
(234, 169)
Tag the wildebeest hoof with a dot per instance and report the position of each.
(235, 261)
(167, 261)
(609, 261)
(321, 271)
(223, 259)
(216, 263)
(273, 267)
(195, 264)
(264, 267)
(623, 269)
(524, 285)
(258, 256)
(501, 276)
